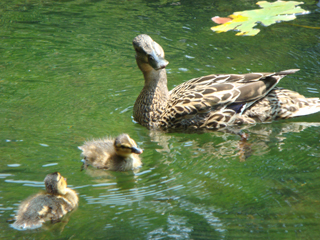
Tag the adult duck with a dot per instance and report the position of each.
(213, 102)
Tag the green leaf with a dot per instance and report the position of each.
(269, 14)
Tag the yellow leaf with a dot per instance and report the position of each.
(270, 13)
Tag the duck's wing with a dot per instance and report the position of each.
(234, 92)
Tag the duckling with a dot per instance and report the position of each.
(119, 154)
(215, 101)
(51, 205)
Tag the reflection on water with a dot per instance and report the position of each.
(26, 183)
(255, 143)
(177, 228)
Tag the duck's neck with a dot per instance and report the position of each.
(153, 98)
(72, 197)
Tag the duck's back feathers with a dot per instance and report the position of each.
(97, 152)
(282, 103)
(213, 101)
(42, 207)
(27, 218)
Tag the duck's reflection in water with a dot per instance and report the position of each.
(252, 140)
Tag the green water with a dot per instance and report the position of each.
(68, 74)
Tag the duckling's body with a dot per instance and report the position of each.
(119, 154)
(51, 205)
(215, 101)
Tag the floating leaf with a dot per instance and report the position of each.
(221, 20)
(269, 14)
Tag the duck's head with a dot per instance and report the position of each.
(55, 183)
(124, 146)
(149, 54)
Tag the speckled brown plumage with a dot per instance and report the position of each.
(214, 101)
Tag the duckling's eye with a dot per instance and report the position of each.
(124, 147)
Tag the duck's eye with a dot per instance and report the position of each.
(139, 50)
(150, 58)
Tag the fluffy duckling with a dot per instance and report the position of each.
(119, 154)
(51, 205)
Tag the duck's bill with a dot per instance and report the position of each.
(136, 150)
(158, 62)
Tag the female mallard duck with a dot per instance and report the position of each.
(52, 205)
(119, 154)
(214, 101)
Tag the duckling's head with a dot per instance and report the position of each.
(149, 54)
(55, 184)
(125, 146)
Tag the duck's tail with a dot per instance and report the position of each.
(294, 104)
(308, 106)
(24, 224)
(281, 103)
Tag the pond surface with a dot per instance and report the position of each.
(68, 74)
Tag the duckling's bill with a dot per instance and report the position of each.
(136, 150)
